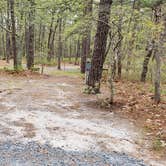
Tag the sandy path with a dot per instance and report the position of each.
(52, 110)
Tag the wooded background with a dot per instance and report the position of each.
(125, 36)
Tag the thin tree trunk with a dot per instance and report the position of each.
(49, 37)
(13, 28)
(119, 48)
(70, 50)
(135, 6)
(8, 41)
(86, 39)
(157, 93)
(146, 61)
(42, 46)
(26, 38)
(78, 52)
(60, 44)
(51, 42)
(3, 44)
(3, 37)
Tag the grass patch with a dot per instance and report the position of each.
(39, 61)
(12, 71)
(67, 73)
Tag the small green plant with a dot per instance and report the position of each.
(157, 145)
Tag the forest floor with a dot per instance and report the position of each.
(47, 120)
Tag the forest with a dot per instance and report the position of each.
(83, 82)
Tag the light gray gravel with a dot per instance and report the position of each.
(34, 154)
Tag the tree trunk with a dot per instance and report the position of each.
(49, 38)
(146, 61)
(8, 41)
(42, 45)
(83, 55)
(31, 36)
(14, 45)
(26, 38)
(135, 6)
(3, 44)
(78, 52)
(158, 52)
(70, 50)
(157, 93)
(119, 49)
(86, 39)
(60, 44)
(99, 53)
(51, 42)
(151, 46)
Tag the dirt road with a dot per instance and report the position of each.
(49, 113)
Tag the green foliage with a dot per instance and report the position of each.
(151, 3)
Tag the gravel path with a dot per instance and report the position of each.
(34, 154)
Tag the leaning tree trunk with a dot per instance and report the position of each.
(146, 61)
(99, 53)
(31, 36)
(152, 48)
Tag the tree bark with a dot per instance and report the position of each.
(83, 55)
(31, 36)
(86, 39)
(8, 41)
(146, 61)
(60, 44)
(158, 52)
(51, 42)
(13, 27)
(99, 53)
(78, 52)
(119, 49)
(49, 38)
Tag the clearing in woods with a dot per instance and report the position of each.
(52, 110)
